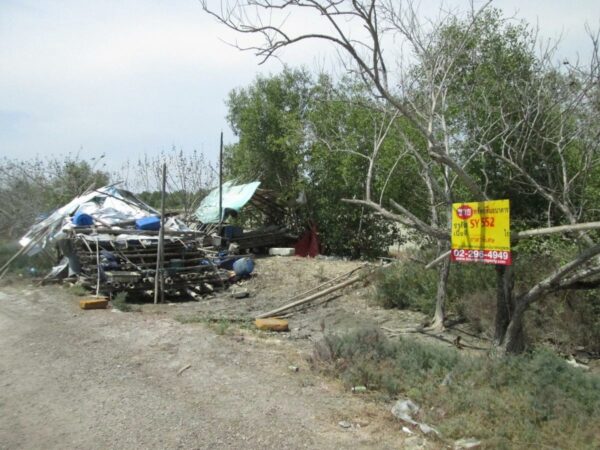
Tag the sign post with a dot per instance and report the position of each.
(481, 232)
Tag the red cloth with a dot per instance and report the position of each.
(308, 245)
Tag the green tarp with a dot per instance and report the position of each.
(234, 198)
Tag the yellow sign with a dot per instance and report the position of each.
(481, 232)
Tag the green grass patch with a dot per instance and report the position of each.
(121, 302)
(408, 285)
(78, 290)
(187, 318)
(529, 401)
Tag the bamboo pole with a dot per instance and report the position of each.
(221, 184)
(98, 267)
(159, 276)
(347, 274)
(337, 287)
(99, 230)
(4, 268)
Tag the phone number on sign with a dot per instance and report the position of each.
(481, 255)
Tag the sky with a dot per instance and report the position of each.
(125, 78)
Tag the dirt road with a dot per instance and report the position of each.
(102, 379)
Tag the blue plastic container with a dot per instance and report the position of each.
(82, 220)
(151, 223)
(243, 267)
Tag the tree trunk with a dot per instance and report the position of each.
(442, 292)
(509, 333)
(504, 302)
(514, 340)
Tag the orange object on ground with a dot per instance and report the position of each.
(272, 324)
(93, 303)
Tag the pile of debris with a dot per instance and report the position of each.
(107, 239)
(230, 200)
(128, 262)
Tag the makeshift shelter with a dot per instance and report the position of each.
(107, 206)
(109, 238)
(234, 198)
(271, 233)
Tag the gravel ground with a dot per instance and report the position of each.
(102, 379)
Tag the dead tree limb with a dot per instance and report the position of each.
(323, 293)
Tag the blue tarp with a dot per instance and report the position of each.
(234, 198)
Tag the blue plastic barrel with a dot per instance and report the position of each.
(243, 267)
(82, 220)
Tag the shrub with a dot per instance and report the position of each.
(566, 319)
(78, 290)
(23, 263)
(529, 401)
(406, 286)
(119, 302)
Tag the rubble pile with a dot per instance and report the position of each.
(128, 263)
(108, 240)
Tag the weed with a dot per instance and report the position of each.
(78, 290)
(23, 264)
(190, 319)
(567, 319)
(221, 327)
(119, 301)
(406, 286)
(320, 273)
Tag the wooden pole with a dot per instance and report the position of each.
(221, 184)
(337, 287)
(159, 276)
(97, 268)
(320, 286)
(4, 268)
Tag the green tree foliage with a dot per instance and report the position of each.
(344, 122)
(520, 123)
(269, 118)
(300, 134)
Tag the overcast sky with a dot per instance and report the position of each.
(127, 77)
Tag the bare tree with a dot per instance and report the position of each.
(189, 176)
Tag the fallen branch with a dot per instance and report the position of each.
(396, 331)
(347, 274)
(183, 369)
(533, 233)
(283, 308)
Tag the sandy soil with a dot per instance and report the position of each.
(103, 379)
(278, 279)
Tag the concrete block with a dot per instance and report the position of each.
(276, 251)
